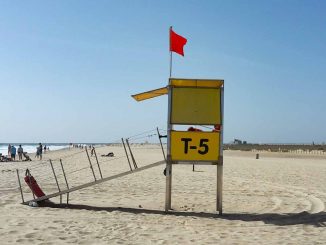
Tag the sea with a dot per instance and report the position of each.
(31, 147)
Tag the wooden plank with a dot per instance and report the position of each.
(95, 182)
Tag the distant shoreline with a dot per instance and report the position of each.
(275, 147)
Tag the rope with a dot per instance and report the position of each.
(67, 156)
(146, 132)
(147, 136)
(77, 170)
(44, 163)
(41, 163)
(36, 166)
(51, 176)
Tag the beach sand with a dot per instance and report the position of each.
(277, 199)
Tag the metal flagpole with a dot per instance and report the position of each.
(170, 51)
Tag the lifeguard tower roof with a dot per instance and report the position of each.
(179, 82)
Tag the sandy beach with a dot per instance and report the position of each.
(277, 199)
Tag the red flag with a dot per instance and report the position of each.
(177, 42)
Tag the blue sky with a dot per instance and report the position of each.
(68, 68)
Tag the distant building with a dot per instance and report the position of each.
(239, 142)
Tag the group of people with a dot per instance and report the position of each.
(81, 146)
(13, 152)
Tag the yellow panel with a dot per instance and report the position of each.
(201, 106)
(150, 94)
(176, 82)
(195, 146)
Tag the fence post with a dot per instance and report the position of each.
(159, 137)
(126, 153)
(56, 180)
(20, 186)
(90, 164)
(99, 169)
(132, 156)
(64, 174)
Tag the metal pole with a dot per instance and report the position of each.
(219, 188)
(126, 153)
(64, 174)
(170, 51)
(168, 186)
(99, 169)
(20, 186)
(90, 164)
(159, 137)
(170, 63)
(132, 156)
(56, 180)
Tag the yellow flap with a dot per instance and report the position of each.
(150, 94)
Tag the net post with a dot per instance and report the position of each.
(132, 156)
(90, 163)
(159, 137)
(168, 191)
(20, 186)
(64, 174)
(99, 169)
(219, 187)
(56, 180)
(124, 146)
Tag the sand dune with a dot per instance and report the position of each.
(278, 198)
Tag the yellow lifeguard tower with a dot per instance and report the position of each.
(193, 102)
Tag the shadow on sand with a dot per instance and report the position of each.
(317, 219)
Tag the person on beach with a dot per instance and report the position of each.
(44, 148)
(39, 151)
(13, 153)
(93, 151)
(27, 158)
(9, 150)
(20, 153)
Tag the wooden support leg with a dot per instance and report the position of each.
(219, 188)
(168, 186)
